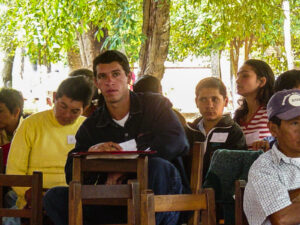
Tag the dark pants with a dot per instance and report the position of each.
(163, 178)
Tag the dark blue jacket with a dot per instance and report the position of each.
(152, 124)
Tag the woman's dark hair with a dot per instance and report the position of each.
(211, 82)
(78, 88)
(12, 99)
(261, 69)
(287, 80)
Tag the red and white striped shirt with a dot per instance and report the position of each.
(257, 128)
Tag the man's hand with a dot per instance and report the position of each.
(114, 178)
(105, 147)
(264, 145)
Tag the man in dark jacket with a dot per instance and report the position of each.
(146, 121)
(216, 130)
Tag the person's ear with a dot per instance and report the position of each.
(226, 101)
(129, 77)
(274, 129)
(16, 112)
(196, 102)
(263, 81)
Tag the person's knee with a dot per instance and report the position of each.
(55, 196)
(164, 178)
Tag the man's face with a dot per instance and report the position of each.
(113, 82)
(288, 136)
(66, 110)
(7, 118)
(211, 103)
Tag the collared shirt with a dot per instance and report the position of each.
(270, 178)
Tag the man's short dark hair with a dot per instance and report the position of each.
(12, 99)
(147, 83)
(109, 57)
(211, 82)
(82, 72)
(275, 120)
(77, 88)
(287, 80)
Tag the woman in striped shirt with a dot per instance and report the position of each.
(255, 83)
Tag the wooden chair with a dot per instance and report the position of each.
(138, 165)
(95, 194)
(199, 199)
(35, 181)
(240, 217)
(1, 161)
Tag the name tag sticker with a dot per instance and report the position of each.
(71, 139)
(219, 137)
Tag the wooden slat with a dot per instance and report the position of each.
(25, 213)
(182, 202)
(295, 195)
(16, 180)
(1, 161)
(107, 201)
(106, 191)
(109, 165)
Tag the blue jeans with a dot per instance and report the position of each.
(163, 178)
(10, 200)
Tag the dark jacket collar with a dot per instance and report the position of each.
(135, 108)
(226, 121)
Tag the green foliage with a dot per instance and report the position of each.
(207, 25)
(49, 28)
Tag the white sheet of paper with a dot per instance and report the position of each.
(129, 145)
(71, 139)
(219, 137)
(250, 138)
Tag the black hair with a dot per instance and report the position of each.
(275, 120)
(77, 88)
(261, 69)
(211, 82)
(109, 57)
(12, 99)
(84, 72)
(287, 80)
(147, 83)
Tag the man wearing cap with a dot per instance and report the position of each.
(276, 172)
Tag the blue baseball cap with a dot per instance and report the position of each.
(284, 104)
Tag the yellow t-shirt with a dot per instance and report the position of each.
(41, 144)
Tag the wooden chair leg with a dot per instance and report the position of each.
(147, 208)
(75, 206)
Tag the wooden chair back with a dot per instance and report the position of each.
(98, 194)
(240, 217)
(35, 181)
(295, 195)
(199, 200)
(138, 165)
(1, 161)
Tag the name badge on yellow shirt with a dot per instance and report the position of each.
(71, 139)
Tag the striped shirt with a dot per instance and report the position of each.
(257, 128)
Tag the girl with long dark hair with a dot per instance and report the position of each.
(255, 83)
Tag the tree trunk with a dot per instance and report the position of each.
(287, 34)
(248, 45)
(89, 46)
(7, 69)
(74, 60)
(215, 57)
(235, 46)
(156, 27)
